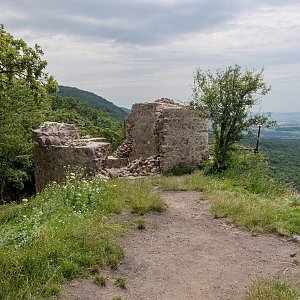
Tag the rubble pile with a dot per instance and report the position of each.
(124, 150)
(143, 166)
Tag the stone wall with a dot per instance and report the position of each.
(142, 129)
(166, 129)
(59, 148)
(161, 135)
(182, 137)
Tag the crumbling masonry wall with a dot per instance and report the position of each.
(170, 130)
(161, 135)
(59, 148)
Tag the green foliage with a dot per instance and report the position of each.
(140, 224)
(100, 280)
(92, 122)
(23, 102)
(20, 112)
(139, 194)
(170, 183)
(245, 195)
(121, 282)
(93, 101)
(284, 159)
(20, 62)
(271, 289)
(26, 101)
(65, 232)
(250, 171)
(226, 99)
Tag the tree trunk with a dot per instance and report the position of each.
(2, 201)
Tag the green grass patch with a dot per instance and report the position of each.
(121, 282)
(100, 280)
(140, 224)
(180, 169)
(136, 195)
(273, 290)
(244, 195)
(66, 232)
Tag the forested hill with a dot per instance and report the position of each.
(94, 101)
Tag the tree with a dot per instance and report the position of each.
(20, 62)
(226, 98)
(23, 101)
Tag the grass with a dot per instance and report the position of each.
(180, 169)
(121, 282)
(140, 224)
(66, 232)
(100, 280)
(272, 290)
(69, 231)
(244, 195)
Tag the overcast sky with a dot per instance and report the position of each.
(139, 50)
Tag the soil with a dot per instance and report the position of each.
(185, 253)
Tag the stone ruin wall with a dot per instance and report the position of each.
(59, 147)
(182, 138)
(169, 130)
(161, 134)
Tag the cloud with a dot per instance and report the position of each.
(135, 50)
(125, 21)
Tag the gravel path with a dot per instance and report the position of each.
(187, 254)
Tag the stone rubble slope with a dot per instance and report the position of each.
(144, 166)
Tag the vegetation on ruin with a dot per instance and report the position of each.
(226, 98)
(67, 231)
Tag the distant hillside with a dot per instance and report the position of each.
(94, 101)
(127, 110)
(285, 117)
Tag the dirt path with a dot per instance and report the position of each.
(187, 254)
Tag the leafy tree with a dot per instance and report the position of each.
(23, 102)
(226, 98)
(24, 63)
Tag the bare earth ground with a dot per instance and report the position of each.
(187, 254)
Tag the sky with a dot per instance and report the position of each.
(130, 51)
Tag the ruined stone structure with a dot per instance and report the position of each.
(166, 129)
(59, 148)
(161, 135)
